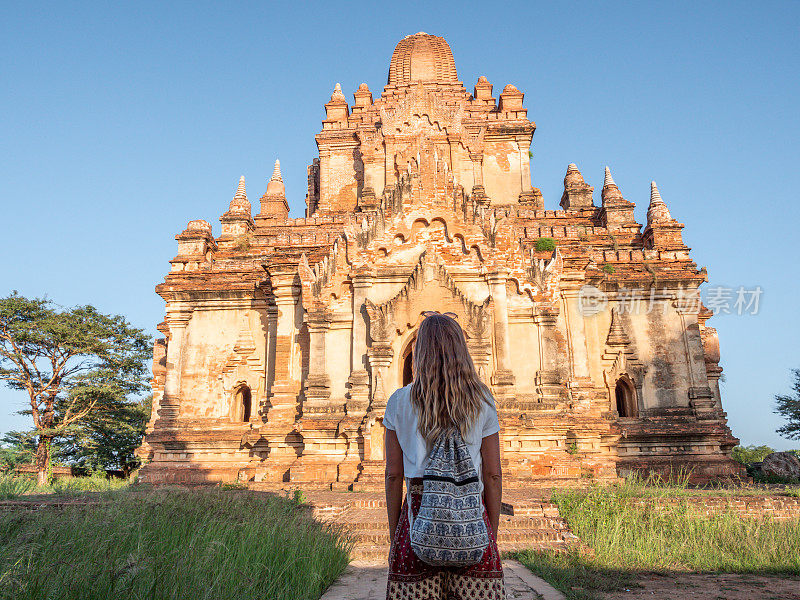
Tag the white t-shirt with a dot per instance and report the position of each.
(401, 417)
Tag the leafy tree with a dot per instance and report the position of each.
(789, 408)
(748, 455)
(74, 364)
(18, 448)
(108, 440)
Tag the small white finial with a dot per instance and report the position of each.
(337, 92)
(608, 179)
(240, 193)
(276, 173)
(655, 196)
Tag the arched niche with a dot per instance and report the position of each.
(241, 404)
(625, 396)
(408, 360)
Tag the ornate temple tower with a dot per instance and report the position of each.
(285, 336)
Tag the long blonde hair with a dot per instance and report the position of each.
(446, 391)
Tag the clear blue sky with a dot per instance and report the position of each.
(120, 122)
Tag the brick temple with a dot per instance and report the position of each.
(284, 337)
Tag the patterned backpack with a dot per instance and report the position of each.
(449, 530)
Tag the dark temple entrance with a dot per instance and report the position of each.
(408, 371)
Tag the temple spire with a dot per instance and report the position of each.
(577, 193)
(273, 202)
(240, 204)
(238, 219)
(655, 195)
(337, 93)
(337, 109)
(572, 170)
(657, 212)
(608, 179)
(276, 172)
(240, 191)
(275, 187)
(610, 193)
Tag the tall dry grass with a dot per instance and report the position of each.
(674, 535)
(170, 544)
(653, 525)
(14, 486)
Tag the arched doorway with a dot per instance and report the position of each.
(408, 361)
(408, 367)
(626, 398)
(240, 411)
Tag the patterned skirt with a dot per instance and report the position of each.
(412, 579)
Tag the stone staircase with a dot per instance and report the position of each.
(527, 521)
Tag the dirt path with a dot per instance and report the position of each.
(691, 586)
(367, 581)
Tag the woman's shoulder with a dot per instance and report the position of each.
(397, 407)
(401, 392)
(399, 398)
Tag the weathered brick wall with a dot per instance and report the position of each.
(781, 508)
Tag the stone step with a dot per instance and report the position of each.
(377, 552)
(527, 520)
(514, 535)
(378, 522)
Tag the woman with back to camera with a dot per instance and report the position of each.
(446, 394)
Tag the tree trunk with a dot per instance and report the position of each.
(43, 459)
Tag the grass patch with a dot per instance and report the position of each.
(16, 487)
(626, 537)
(676, 485)
(170, 544)
(676, 537)
(13, 487)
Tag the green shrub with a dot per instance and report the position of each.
(545, 244)
(748, 455)
(760, 477)
(607, 268)
(170, 544)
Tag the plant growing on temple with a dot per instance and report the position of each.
(74, 364)
(788, 406)
(546, 244)
(243, 243)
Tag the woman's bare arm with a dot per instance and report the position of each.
(492, 478)
(394, 480)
